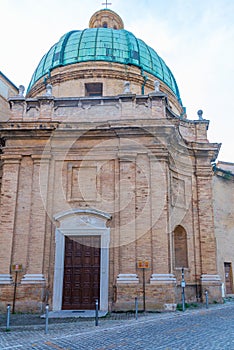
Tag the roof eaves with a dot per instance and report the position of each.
(8, 80)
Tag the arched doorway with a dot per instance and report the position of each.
(81, 260)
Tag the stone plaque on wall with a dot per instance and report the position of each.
(82, 183)
(178, 192)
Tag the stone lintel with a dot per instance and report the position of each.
(33, 279)
(159, 278)
(127, 278)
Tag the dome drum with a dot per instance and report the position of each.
(69, 81)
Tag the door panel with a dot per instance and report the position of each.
(81, 285)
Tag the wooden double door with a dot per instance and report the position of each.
(81, 283)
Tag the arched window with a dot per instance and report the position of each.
(104, 25)
(180, 247)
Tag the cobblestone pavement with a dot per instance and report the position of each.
(205, 329)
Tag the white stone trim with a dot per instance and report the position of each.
(130, 278)
(6, 278)
(77, 223)
(160, 278)
(89, 211)
(33, 279)
(210, 278)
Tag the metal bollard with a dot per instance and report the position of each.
(183, 284)
(8, 318)
(183, 300)
(136, 308)
(96, 312)
(207, 299)
(47, 318)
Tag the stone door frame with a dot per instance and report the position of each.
(77, 223)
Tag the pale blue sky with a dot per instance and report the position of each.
(194, 37)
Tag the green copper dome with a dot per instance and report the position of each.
(104, 44)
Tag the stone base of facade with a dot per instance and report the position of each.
(212, 284)
(29, 297)
(192, 293)
(160, 294)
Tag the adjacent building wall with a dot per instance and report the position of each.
(7, 89)
(223, 191)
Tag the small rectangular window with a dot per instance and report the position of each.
(93, 89)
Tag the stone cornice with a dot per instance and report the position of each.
(11, 158)
(205, 150)
(27, 125)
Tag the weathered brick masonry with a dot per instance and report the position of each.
(136, 172)
(127, 167)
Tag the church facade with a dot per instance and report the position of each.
(106, 185)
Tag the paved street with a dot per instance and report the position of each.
(194, 329)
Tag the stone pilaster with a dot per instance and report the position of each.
(162, 281)
(23, 211)
(46, 107)
(38, 221)
(10, 174)
(206, 221)
(158, 105)
(209, 278)
(159, 214)
(127, 220)
(143, 212)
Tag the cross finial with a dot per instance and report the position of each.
(106, 3)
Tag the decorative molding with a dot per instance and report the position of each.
(178, 192)
(11, 158)
(33, 279)
(210, 279)
(128, 278)
(6, 278)
(162, 278)
(61, 216)
(79, 222)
